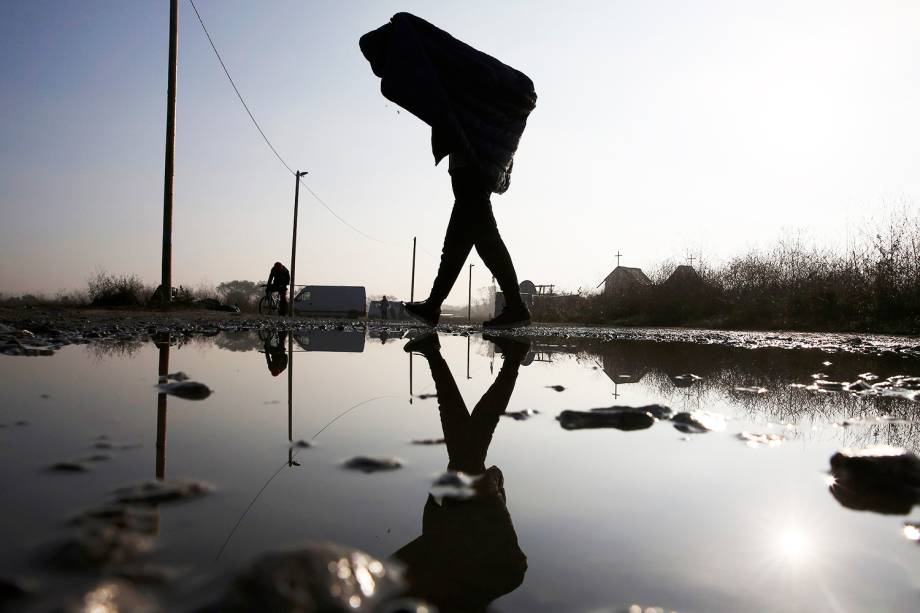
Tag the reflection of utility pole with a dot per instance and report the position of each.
(169, 165)
(291, 395)
(468, 354)
(297, 176)
(163, 346)
(615, 394)
(412, 287)
(469, 304)
(410, 377)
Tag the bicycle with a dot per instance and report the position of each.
(270, 304)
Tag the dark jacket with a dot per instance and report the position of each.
(475, 105)
(279, 277)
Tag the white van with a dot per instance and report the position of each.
(331, 301)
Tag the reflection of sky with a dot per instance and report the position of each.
(606, 518)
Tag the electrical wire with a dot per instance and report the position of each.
(265, 137)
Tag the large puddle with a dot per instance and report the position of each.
(615, 509)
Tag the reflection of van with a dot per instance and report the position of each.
(331, 300)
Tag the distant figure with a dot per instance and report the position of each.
(384, 308)
(468, 554)
(278, 280)
(477, 108)
(276, 353)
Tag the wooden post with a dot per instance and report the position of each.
(469, 304)
(290, 349)
(163, 347)
(297, 176)
(166, 271)
(412, 287)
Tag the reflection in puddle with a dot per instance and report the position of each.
(609, 505)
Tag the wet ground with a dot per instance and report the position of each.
(474, 475)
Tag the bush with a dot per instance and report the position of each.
(108, 290)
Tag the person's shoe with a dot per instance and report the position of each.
(423, 312)
(514, 349)
(510, 317)
(425, 344)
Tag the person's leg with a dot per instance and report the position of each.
(490, 408)
(476, 193)
(491, 248)
(283, 300)
(455, 418)
(458, 242)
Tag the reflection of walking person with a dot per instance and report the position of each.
(276, 354)
(468, 554)
(477, 108)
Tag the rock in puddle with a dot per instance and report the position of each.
(761, 440)
(373, 464)
(155, 492)
(428, 441)
(16, 590)
(882, 479)
(71, 466)
(751, 390)
(521, 415)
(556, 388)
(455, 485)
(113, 595)
(141, 519)
(621, 418)
(698, 422)
(187, 390)
(99, 545)
(312, 578)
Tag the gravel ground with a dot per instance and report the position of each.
(41, 331)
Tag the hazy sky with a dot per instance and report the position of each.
(661, 127)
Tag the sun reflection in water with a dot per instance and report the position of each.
(793, 544)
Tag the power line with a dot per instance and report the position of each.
(265, 138)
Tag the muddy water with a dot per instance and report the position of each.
(592, 519)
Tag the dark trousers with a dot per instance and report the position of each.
(472, 224)
(282, 297)
(468, 435)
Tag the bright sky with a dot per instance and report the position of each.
(661, 128)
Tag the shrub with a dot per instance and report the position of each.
(109, 290)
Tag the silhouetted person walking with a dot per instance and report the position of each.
(384, 308)
(468, 554)
(278, 280)
(477, 108)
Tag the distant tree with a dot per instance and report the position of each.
(244, 294)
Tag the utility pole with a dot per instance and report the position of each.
(691, 258)
(290, 350)
(412, 287)
(166, 271)
(469, 304)
(618, 258)
(297, 176)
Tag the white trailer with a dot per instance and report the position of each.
(331, 301)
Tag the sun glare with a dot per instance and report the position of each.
(793, 544)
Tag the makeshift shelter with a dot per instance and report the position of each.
(624, 281)
(685, 280)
